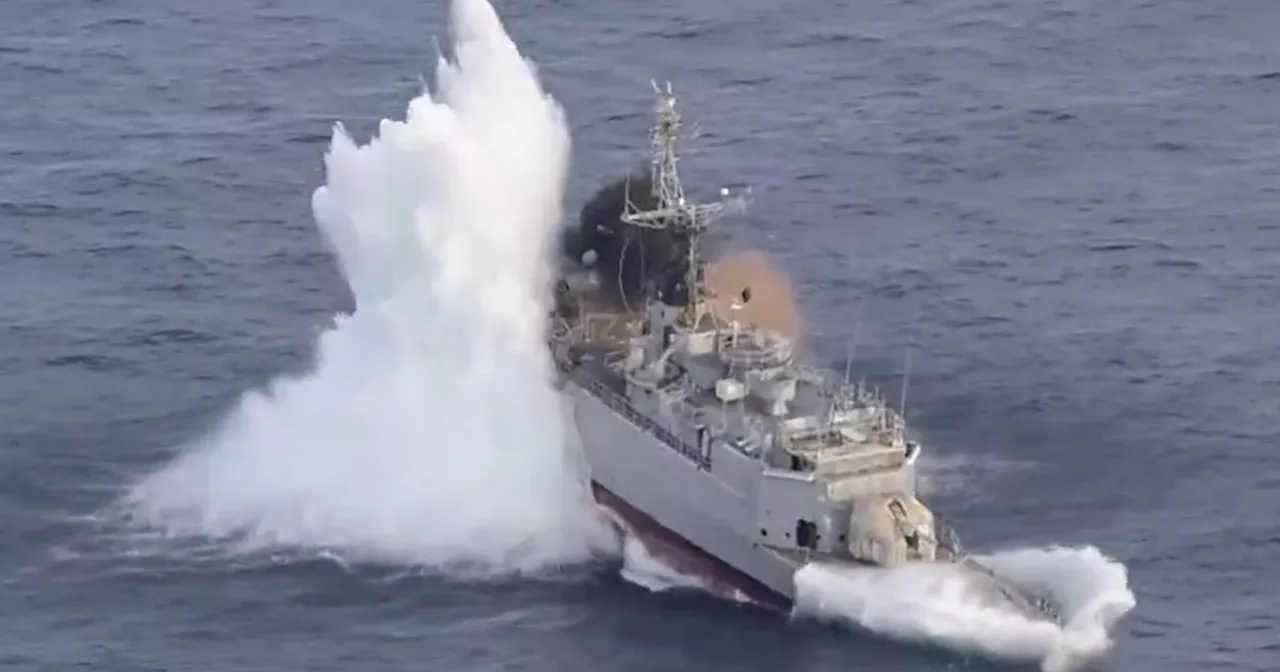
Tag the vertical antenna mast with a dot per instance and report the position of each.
(673, 211)
(906, 375)
(665, 138)
(906, 379)
(853, 347)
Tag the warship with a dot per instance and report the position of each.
(705, 434)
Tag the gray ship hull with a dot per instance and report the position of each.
(681, 511)
(682, 506)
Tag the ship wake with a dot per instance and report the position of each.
(428, 432)
(944, 605)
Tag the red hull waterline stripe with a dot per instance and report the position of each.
(687, 558)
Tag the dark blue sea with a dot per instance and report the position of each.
(1071, 209)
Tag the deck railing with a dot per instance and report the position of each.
(620, 404)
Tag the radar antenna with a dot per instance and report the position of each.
(673, 211)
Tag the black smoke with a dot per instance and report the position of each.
(633, 262)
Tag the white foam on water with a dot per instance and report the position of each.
(642, 568)
(428, 431)
(946, 606)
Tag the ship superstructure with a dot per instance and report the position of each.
(704, 431)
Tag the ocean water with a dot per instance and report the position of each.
(1072, 209)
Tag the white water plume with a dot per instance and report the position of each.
(429, 431)
(943, 605)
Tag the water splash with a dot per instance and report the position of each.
(429, 431)
(940, 604)
(643, 568)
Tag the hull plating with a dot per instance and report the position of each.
(681, 510)
(686, 515)
(686, 557)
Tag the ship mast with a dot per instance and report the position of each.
(673, 211)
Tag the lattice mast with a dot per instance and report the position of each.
(673, 211)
